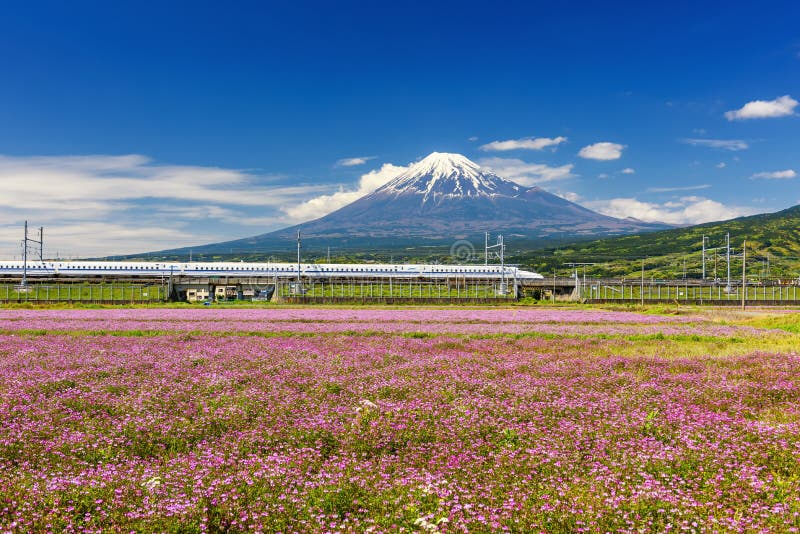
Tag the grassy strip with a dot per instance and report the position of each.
(659, 336)
(789, 322)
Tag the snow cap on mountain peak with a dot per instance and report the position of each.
(446, 164)
(441, 175)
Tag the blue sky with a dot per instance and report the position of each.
(137, 126)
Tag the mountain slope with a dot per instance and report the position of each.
(441, 198)
(777, 232)
(774, 234)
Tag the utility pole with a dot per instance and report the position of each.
(704, 257)
(728, 253)
(25, 257)
(641, 289)
(502, 264)
(298, 259)
(584, 277)
(25, 242)
(768, 273)
(575, 265)
(486, 249)
(501, 245)
(744, 272)
(329, 254)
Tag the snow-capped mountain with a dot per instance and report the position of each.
(445, 197)
(442, 176)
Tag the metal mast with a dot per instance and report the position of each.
(728, 254)
(704, 257)
(575, 265)
(744, 273)
(500, 244)
(25, 257)
(503, 288)
(641, 288)
(25, 242)
(298, 259)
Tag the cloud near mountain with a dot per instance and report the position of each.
(324, 204)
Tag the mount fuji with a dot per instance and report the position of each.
(441, 198)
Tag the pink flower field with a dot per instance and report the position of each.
(419, 420)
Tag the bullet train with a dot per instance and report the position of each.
(131, 269)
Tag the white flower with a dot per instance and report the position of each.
(152, 483)
(368, 404)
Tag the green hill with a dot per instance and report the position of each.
(772, 238)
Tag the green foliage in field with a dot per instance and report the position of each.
(788, 322)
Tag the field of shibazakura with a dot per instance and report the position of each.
(381, 420)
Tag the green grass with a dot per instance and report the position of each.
(790, 322)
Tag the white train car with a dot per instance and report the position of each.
(129, 269)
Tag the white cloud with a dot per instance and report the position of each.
(687, 210)
(788, 174)
(569, 195)
(101, 205)
(324, 204)
(526, 143)
(602, 176)
(524, 173)
(219, 213)
(473, 138)
(352, 162)
(673, 189)
(724, 144)
(602, 151)
(84, 182)
(764, 109)
(99, 238)
(721, 165)
(628, 170)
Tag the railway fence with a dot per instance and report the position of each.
(689, 292)
(401, 291)
(85, 293)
